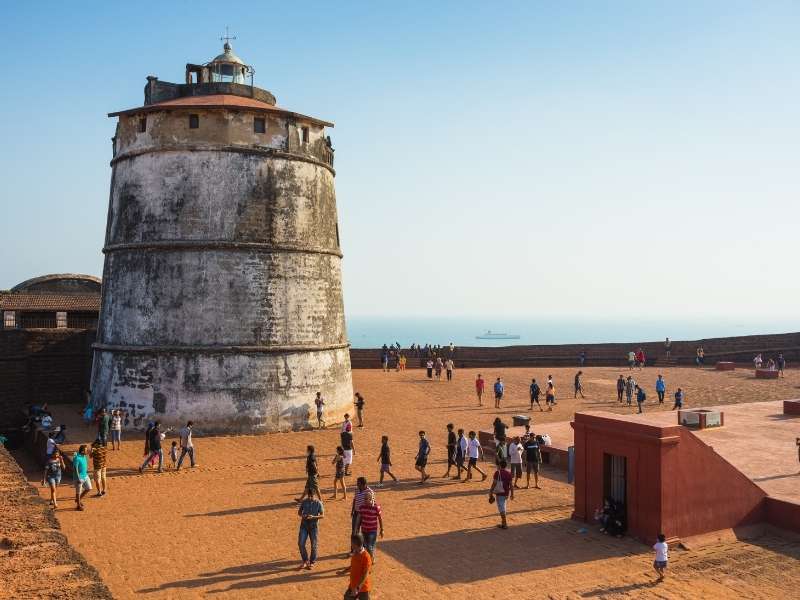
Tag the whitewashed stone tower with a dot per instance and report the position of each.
(222, 297)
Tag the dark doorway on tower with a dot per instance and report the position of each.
(615, 471)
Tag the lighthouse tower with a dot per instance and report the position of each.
(222, 296)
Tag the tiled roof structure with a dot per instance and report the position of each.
(49, 302)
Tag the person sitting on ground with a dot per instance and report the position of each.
(616, 525)
(604, 514)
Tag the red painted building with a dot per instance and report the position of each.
(668, 477)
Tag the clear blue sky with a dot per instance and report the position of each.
(533, 158)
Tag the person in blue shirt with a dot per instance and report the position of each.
(422, 457)
(499, 388)
(640, 398)
(661, 388)
(83, 485)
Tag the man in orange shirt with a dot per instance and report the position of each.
(360, 566)
(479, 384)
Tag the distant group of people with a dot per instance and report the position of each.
(434, 368)
(630, 389)
(772, 364)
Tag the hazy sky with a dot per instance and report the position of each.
(534, 158)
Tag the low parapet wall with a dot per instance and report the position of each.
(739, 349)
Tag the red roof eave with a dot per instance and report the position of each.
(219, 101)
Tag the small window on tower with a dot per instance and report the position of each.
(260, 125)
(142, 124)
(304, 135)
(194, 121)
(9, 319)
(61, 320)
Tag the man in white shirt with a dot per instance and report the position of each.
(662, 556)
(187, 446)
(515, 450)
(474, 450)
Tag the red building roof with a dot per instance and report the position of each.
(218, 101)
(25, 301)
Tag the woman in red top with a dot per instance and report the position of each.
(501, 490)
(479, 384)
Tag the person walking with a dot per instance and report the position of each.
(360, 566)
(662, 556)
(631, 360)
(53, 469)
(186, 445)
(385, 361)
(461, 453)
(421, 459)
(533, 459)
(370, 521)
(661, 388)
(449, 365)
(349, 447)
(515, 451)
(499, 389)
(83, 485)
(99, 454)
(781, 362)
(579, 384)
(474, 451)
(311, 488)
(429, 368)
(319, 402)
(359, 402)
(451, 449)
(103, 426)
(116, 429)
(535, 390)
(310, 511)
(679, 395)
(501, 491)
(385, 458)
(630, 385)
(154, 438)
(479, 385)
(640, 398)
(550, 393)
(620, 388)
(358, 499)
(338, 474)
(438, 365)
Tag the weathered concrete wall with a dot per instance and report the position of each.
(222, 297)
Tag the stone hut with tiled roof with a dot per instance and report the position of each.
(59, 301)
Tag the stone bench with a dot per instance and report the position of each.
(766, 373)
(725, 366)
(791, 407)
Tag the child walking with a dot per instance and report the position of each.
(385, 459)
(173, 455)
(338, 477)
(662, 556)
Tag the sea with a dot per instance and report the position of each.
(374, 331)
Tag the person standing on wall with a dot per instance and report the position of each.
(187, 445)
(668, 348)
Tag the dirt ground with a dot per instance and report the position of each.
(228, 528)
